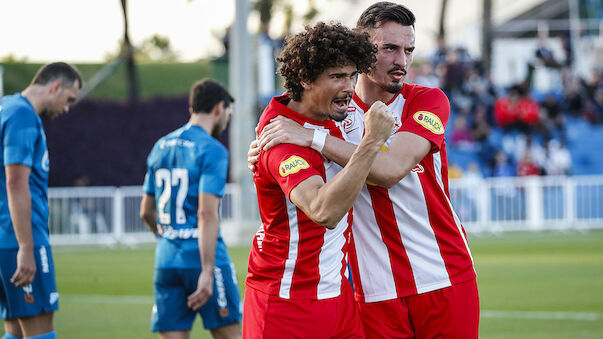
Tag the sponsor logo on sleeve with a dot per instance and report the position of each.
(429, 121)
(292, 165)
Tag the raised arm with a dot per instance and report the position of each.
(405, 151)
(327, 203)
(19, 205)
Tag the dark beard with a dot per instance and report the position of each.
(216, 132)
(392, 87)
(338, 118)
(46, 115)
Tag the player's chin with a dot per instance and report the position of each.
(339, 111)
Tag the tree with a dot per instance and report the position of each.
(128, 53)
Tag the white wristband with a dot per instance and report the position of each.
(318, 140)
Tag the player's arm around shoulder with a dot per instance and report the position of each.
(414, 140)
(327, 203)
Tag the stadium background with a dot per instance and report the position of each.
(540, 274)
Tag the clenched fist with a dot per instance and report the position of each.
(378, 122)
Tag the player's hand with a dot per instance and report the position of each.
(205, 289)
(378, 122)
(253, 154)
(283, 130)
(26, 267)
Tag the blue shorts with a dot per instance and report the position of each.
(39, 297)
(174, 285)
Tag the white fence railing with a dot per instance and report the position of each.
(109, 215)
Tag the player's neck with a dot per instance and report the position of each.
(205, 121)
(306, 108)
(369, 92)
(34, 95)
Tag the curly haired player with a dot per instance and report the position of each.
(296, 286)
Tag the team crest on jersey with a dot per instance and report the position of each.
(28, 296)
(348, 122)
(418, 169)
(292, 165)
(429, 121)
(45, 162)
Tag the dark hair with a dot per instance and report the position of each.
(383, 12)
(68, 74)
(206, 94)
(307, 54)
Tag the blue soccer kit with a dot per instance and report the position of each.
(182, 165)
(23, 142)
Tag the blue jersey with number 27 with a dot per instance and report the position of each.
(23, 142)
(182, 165)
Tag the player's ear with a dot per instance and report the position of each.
(55, 86)
(218, 109)
(306, 85)
(190, 111)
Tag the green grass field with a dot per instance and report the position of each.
(531, 286)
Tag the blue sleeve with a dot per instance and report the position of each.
(20, 134)
(213, 170)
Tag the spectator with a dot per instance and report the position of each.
(454, 171)
(526, 144)
(426, 77)
(462, 136)
(455, 72)
(517, 110)
(526, 166)
(557, 158)
(480, 127)
(439, 56)
(553, 117)
(502, 166)
(574, 98)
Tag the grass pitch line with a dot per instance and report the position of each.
(149, 300)
(542, 315)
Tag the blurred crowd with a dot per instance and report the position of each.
(514, 131)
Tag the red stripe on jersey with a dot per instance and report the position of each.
(386, 220)
(444, 170)
(450, 239)
(353, 258)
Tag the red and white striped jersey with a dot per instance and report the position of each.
(407, 239)
(291, 256)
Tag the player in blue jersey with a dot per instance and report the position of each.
(28, 293)
(186, 175)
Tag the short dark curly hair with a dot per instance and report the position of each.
(307, 54)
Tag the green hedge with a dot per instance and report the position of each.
(155, 79)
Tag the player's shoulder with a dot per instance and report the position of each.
(284, 151)
(410, 91)
(277, 106)
(214, 147)
(16, 107)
